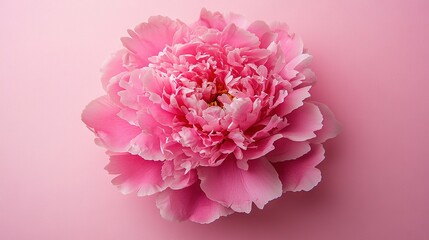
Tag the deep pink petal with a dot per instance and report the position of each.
(113, 132)
(238, 189)
(135, 174)
(189, 204)
(301, 174)
(331, 127)
(304, 121)
(286, 149)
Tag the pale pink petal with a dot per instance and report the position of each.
(295, 66)
(133, 89)
(292, 101)
(148, 39)
(303, 79)
(177, 179)
(212, 20)
(147, 146)
(257, 150)
(238, 189)
(112, 67)
(135, 174)
(113, 88)
(113, 132)
(286, 149)
(238, 38)
(304, 121)
(301, 174)
(259, 28)
(150, 82)
(243, 112)
(237, 19)
(189, 204)
(331, 127)
(162, 116)
(149, 143)
(180, 181)
(293, 47)
(268, 125)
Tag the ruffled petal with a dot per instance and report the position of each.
(148, 146)
(331, 127)
(178, 178)
(238, 189)
(301, 174)
(239, 38)
(112, 131)
(237, 19)
(212, 20)
(304, 121)
(112, 67)
(292, 101)
(148, 39)
(189, 204)
(135, 174)
(286, 149)
(260, 149)
(259, 28)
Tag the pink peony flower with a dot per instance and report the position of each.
(211, 117)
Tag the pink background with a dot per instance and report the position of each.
(371, 58)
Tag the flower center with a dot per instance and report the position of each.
(220, 90)
(216, 102)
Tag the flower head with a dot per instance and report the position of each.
(212, 117)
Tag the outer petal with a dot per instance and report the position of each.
(239, 38)
(301, 174)
(236, 188)
(293, 101)
(150, 143)
(189, 204)
(237, 19)
(286, 149)
(212, 20)
(135, 174)
(304, 121)
(259, 28)
(331, 127)
(263, 147)
(148, 39)
(114, 133)
(178, 178)
(112, 67)
(147, 146)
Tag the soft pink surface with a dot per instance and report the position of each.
(371, 62)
